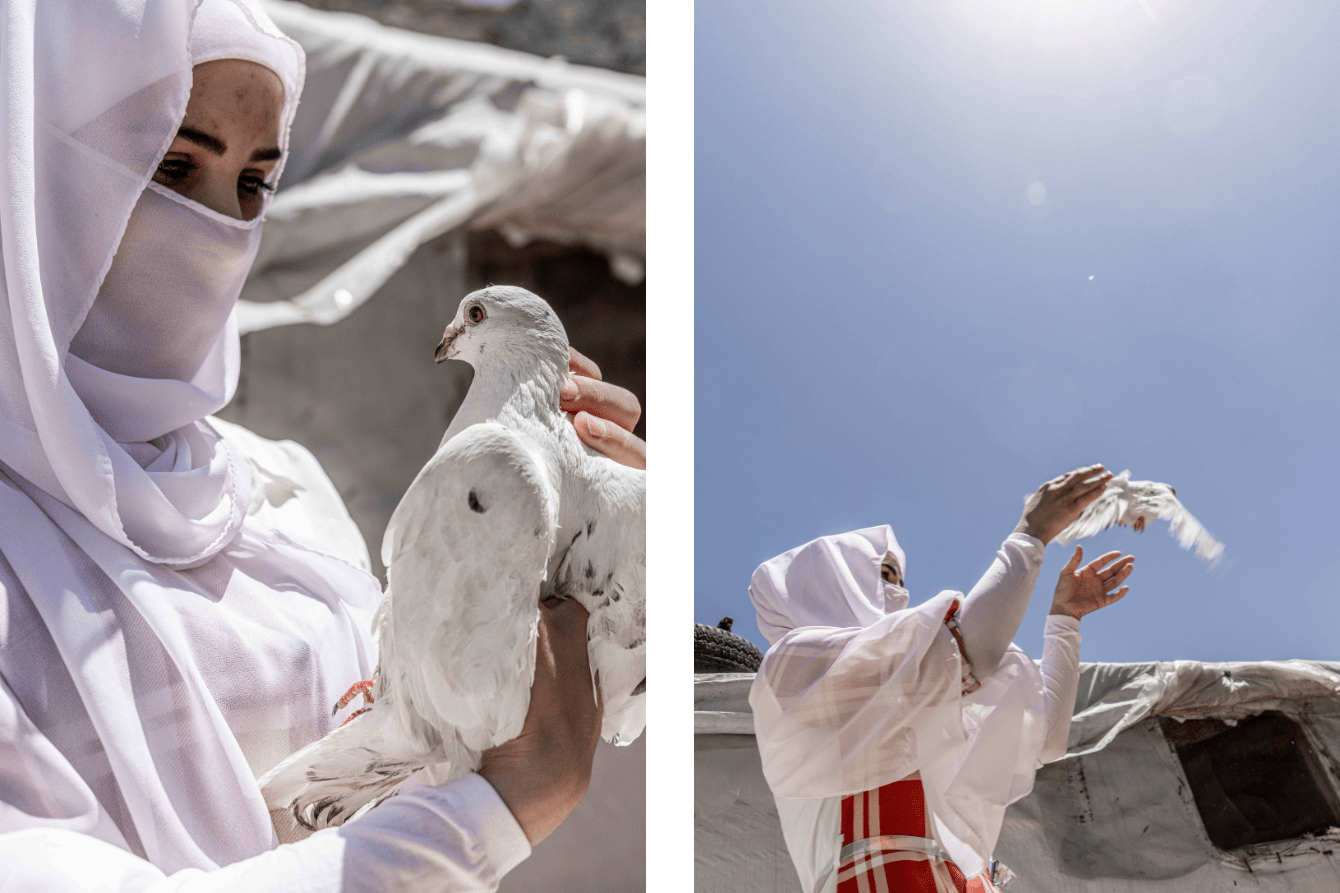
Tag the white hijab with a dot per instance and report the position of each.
(172, 631)
(831, 581)
(858, 690)
(97, 91)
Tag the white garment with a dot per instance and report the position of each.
(458, 838)
(840, 710)
(255, 639)
(94, 95)
(180, 601)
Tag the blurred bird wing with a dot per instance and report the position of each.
(1099, 515)
(466, 554)
(1189, 532)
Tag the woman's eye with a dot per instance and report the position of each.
(253, 185)
(175, 169)
(475, 314)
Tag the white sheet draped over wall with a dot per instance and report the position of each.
(1142, 834)
(402, 137)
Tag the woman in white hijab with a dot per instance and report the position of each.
(892, 737)
(173, 620)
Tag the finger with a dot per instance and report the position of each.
(1074, 561)
(1097, 564)
(601, 399)
(1080, 474)
(612, 441)
(1088, 491)
(1084, 499)
(1119, 595)
(1098, 483)
(1116, 577)
(581, 364)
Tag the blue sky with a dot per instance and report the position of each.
(946, 250)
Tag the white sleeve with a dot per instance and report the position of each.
(456, 837)
(1060, 681)
(995, 607)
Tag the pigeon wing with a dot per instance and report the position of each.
(603, 564)
(1189, 532)
(466, 552)
(1100, 514)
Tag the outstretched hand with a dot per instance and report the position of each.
(543, 773)
(1083, 590)
(603, 414)
(1057, 503)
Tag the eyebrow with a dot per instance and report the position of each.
(216, 146)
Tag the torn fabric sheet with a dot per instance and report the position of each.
(1121, 790)
(402, 137)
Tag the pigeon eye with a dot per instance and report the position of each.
(475, 313)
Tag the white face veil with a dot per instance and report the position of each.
(142, 279)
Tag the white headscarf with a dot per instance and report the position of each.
(832, 581)
(172, 631)
(97, 91)
(858, 690)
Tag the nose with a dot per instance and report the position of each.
(219, 194)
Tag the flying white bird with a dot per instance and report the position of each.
(1135, 503)
(511, 510)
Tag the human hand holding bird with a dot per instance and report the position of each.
(543, 773)
(603, 414)
(1058, 502)
(1134, 504)
(511, 511)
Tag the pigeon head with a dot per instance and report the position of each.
(504, 325)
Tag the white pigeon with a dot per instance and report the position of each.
(1135, 503)
(512, 509)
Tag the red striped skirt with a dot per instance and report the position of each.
(887, 846)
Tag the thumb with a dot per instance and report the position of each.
(1074, 560)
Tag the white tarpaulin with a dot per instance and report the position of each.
(1117, 814)
(402, 137)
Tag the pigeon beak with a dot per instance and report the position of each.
(445, 349)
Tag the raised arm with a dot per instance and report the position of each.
(995, 607)
(1080, 590)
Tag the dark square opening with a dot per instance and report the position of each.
(1256, 782)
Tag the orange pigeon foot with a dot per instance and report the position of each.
(363, 688)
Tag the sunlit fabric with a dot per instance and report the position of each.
(108, 89)
(842, 708)
(181, 601)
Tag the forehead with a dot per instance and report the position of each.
(244, 98)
